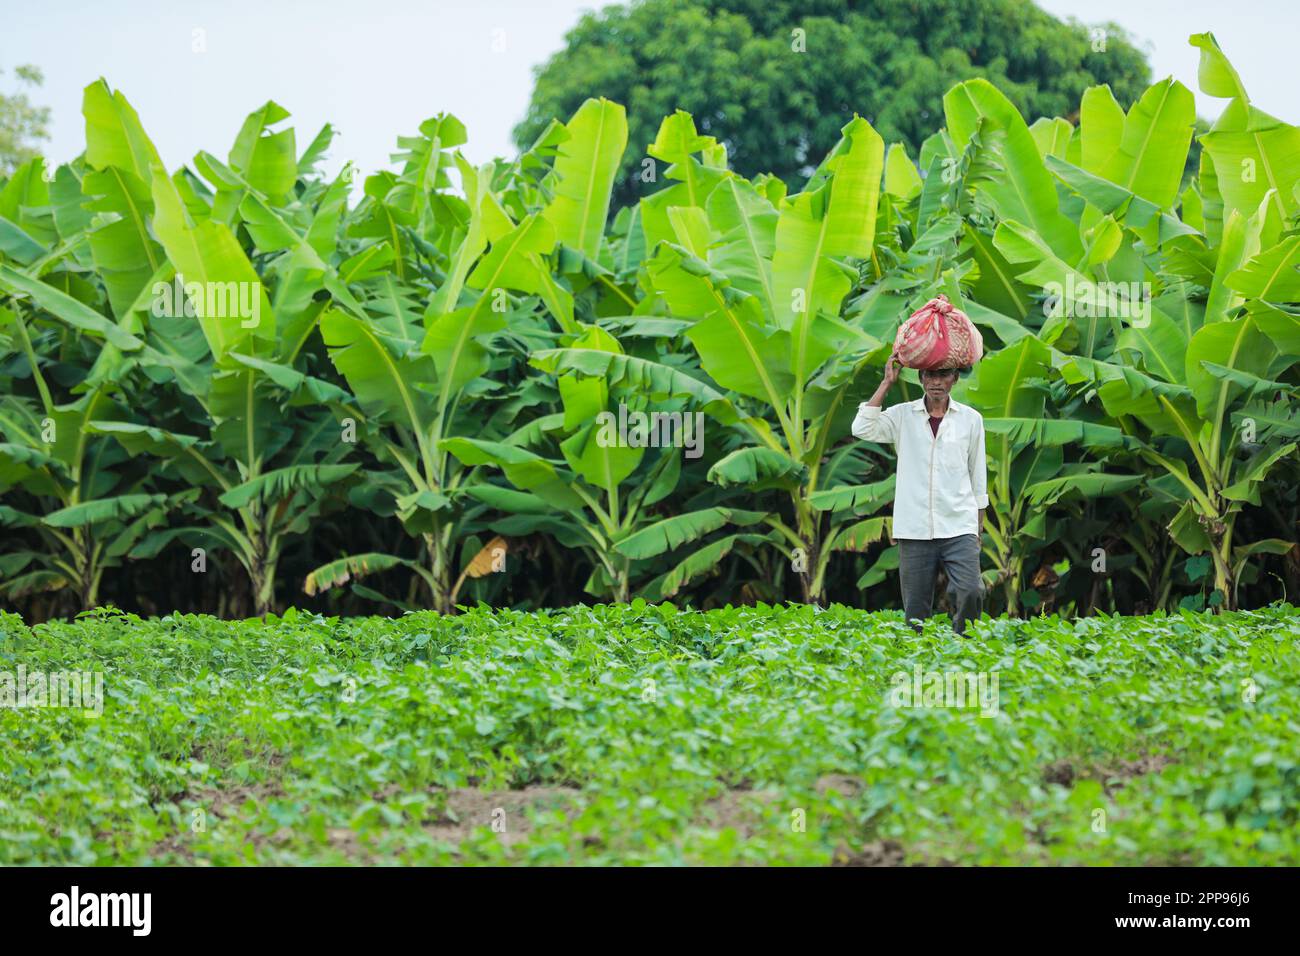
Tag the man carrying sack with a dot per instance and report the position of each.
(941, 489)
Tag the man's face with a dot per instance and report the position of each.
(938, 382)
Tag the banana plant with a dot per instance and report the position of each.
(1213, 330)
(1065, 211)
(627, 425)
(253, 439)
(1027, 468)
(1191, 408)
(763, 278)
(420, 376)
(88, 506)
(91, 506)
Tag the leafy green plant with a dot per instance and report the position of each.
(764, 277)
(647, 734)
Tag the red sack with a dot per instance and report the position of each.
(937, 335)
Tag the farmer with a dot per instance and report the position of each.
(940, 494)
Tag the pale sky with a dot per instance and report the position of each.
(194, 69)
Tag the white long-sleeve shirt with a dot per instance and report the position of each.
(942, 479)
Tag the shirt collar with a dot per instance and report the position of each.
(953, 406)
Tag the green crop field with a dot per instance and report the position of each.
(648, 734)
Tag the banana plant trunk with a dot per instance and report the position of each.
(261, 582)
(811, 585)
(619, 571)
(87, 572)
(438, 545)
(1011, 587)
(1224, 581)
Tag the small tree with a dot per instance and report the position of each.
(22, 125)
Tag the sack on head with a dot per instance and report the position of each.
(937, 335)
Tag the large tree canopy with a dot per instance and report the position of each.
(778, 97)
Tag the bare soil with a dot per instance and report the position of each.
(1112, 774)
(458, 812)
(876, 853)
(505, 812)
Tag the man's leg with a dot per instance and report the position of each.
(918, 565)
(961, 560)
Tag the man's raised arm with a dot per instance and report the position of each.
(871, 423)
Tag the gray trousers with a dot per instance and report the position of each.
(918, 570)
